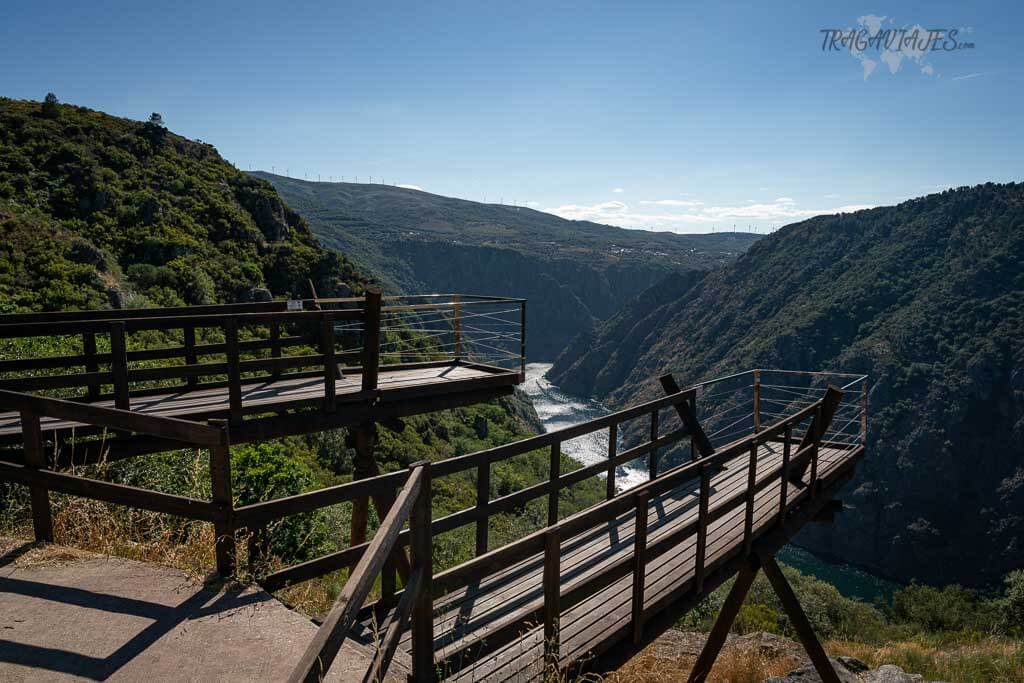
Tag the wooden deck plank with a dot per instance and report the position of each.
(279, 394)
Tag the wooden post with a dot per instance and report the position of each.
(234, 370)
(552, 590)
(799, 620)
(330, 364)
(639, 563)
(726, 617)
(189, 336)
(457, 326)
(613, 447)
(371, 339)
(483, 497)
(652, 457)
(119, 365)
(89, 348)
(220, 487)
(554, 472)
(751, 494)
(757, 401)
(814, 448)
(522, 341)
(275, 346)
(702, 528)
(421, 623)
(786, 448)
(42, 519)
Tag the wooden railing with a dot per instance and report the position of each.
(385, 486)
(34, 470)
(257, 342)
(413, 505)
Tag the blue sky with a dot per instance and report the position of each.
(676, 116)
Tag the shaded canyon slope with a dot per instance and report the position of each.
(574, 273)
(928, 298)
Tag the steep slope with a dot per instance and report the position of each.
(574, 272)
(97, 210)
(927, 297)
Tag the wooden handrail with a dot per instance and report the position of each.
(114, 418)
(320, 654)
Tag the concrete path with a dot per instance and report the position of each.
(68, 615)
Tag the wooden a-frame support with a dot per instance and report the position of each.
(756, 561)
(731, 607)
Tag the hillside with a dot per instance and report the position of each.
(100, 211)
(928, 298)
(574, 272)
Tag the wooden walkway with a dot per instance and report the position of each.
(393, 383)
(463, 618)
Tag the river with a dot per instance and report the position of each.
(558, 409)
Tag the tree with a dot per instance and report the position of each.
(155, 129)
(51, 108)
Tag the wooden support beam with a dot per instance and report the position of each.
(819, 425)
(483, 495)
(220, 487)
(613, 446)
(42, 519)
(726, 617)
(552, 590)
(421, 624)
(689, 417)
(91, 366)
(554, 472)
(371, 338)
(799, 620)
(639, 563)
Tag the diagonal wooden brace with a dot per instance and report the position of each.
(688, 416)
(731, 608)
(816, 430)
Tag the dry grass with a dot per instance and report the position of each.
(734, 665)
(989, 660)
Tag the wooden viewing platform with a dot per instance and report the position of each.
(736, 466)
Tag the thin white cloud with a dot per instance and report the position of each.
(831, 195)
(412, 187)
(783, 209)
(618, 190)
(971, 75)
(533, 203)
(671, 202)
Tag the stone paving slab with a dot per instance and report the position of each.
(85, 617)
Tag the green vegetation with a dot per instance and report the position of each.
(949, 633)
(927, 298)
(101, 211)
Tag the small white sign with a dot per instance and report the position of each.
(294, 305)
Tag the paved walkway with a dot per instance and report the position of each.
(68, 615)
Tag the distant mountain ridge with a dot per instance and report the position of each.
(574, 272)
(928, 298)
